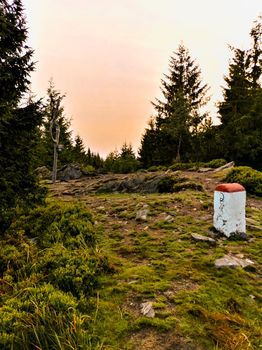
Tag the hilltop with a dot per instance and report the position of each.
(155, 260)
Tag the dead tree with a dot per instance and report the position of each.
(55, 134)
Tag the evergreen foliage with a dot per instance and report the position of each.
(241, 110)
(123, 162)
(179, 114)
(251, 179)
(51, 269)
(19, 121)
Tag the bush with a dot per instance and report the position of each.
(165, 185)
(185, 166)
(88, 170)
(155, 168)
(216, 163)
(189, 185)
(49, 267)
(251, 179)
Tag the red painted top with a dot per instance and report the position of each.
(233, 187)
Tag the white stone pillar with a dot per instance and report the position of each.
(229, 209)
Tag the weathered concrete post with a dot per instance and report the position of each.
(229, 209)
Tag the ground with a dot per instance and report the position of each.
(197, 306)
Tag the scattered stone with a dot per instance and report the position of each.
(226, 166)
(147, 309)
(141, 215)
(205, 170)
(169, 218)
(199, 238)
(233, 261)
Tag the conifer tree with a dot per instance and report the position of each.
(19, 121)
(180, 113)
(241, 109)
(79, 151)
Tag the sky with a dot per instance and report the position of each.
(109, 56)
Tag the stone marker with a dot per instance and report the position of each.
(229, 209)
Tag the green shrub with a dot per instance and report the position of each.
(185, 166)
(188, 185)
(216, 163)
(70, 224)
(88, 170)
(251, 179)
(50, 269)
(165, 185)
(155, 168)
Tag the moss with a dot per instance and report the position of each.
(251, 179)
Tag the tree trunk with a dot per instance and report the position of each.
(178, 157)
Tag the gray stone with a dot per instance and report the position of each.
(169, 218)
(147, 309)
(233, 261)
(199, 238)
(141, 215)
(69, 172)
(226, 166)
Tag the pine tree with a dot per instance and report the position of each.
(240, 111)
(18, 122)
(180, 113)
(79, 151)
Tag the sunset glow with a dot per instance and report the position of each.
(109, 56)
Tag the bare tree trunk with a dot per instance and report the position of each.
(55, 138)
(178, 158)
(56, 142)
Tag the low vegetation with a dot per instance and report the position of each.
(251, 179)
(75, 272)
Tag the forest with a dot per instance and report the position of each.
(74, 267)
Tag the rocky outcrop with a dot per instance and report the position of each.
(69, 172)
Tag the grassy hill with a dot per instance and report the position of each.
(76, 272)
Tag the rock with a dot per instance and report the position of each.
(141, 215)
(204, 170)
(43, 173)
(69, 172)
(226, 166)
(147, 309)
(233, 261)
(169, 218)
(199, 238)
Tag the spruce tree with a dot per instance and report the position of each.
(79, 151)
(240, 111)
(19, 121)
(180, 113)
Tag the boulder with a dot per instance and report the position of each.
(69, 172)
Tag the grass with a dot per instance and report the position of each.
(197, 306)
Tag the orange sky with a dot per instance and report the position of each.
(108, 56)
